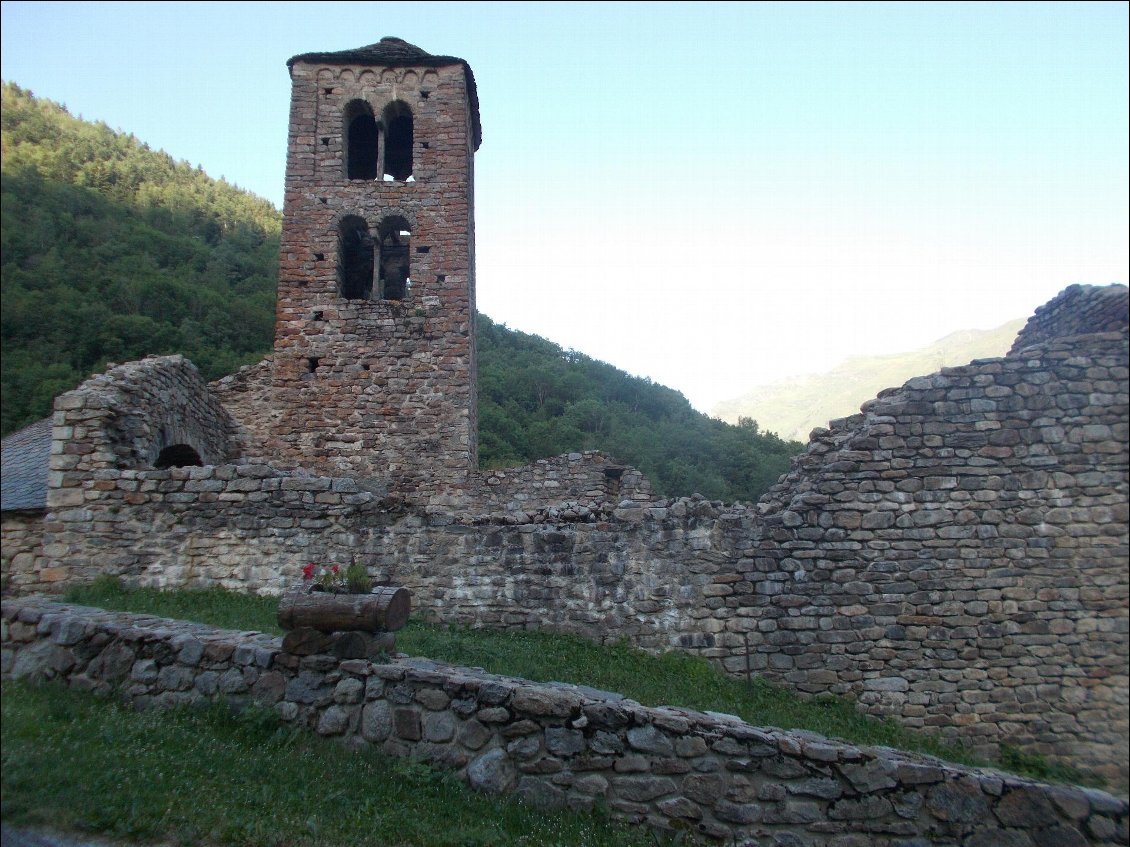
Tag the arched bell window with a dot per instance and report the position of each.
(396, 121)
(394, 241)
(361, 141)
(355, 259)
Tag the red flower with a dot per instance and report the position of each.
(335, 568)
(308, 571)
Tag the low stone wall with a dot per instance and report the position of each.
(561, 745)
(572, 486)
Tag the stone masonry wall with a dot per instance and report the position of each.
(955, 556)
(378, 388)
(557, 745)
(1077, 310)
(574, 484)
(125, 417)
(21, 550)
(247, 397)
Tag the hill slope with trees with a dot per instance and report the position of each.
(111, 251)
(537, 399)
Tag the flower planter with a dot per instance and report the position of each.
(384, 609)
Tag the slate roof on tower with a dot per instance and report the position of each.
(392, 52)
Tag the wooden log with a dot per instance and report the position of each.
(362, 645)
(306, 641)
(384, 609)
(352, 644)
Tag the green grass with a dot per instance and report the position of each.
(75, 762)
(673, 679)
(215, 606)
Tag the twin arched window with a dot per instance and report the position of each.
(367, 264)
(354, 259)
(375, 149)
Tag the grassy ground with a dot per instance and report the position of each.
(674, 679)
(199, 776)
(205, 776)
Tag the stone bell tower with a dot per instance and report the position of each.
(374, 359)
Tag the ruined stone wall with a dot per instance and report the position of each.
(247, 397)
(21, 551)
(573, 486)
(560, 745)
(245, 527)
(1077, 310)
(125, 417)
(955, 556)
(378, 388)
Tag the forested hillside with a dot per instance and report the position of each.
(536, 399)
(112, 251)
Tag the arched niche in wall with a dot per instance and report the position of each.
(361, 141)
(178, 456)
(396, 121)
(394, 241)
(354, 259)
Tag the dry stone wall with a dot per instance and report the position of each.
(557, 745)
(1077, 310)
(21, 550)
(125, 417)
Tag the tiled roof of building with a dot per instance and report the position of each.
(23, 467)
(392, 52)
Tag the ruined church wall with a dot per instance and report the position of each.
(21, 550)
(954, 557)
(1077, 310)
(573, 486)
(247, 397)
(125, 417)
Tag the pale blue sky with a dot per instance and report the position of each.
(712, 195)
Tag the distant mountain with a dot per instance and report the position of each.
(793, 407)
